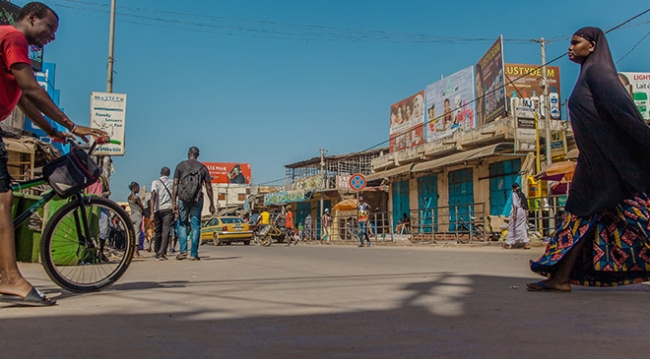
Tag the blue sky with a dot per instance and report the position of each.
(269, 82)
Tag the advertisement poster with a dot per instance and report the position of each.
(638, 83)
(406, 121)
(526, 138)
(449, 105)
(8, 14)
(523, 88)
(108, 113)
(234, 173)
(489, 82)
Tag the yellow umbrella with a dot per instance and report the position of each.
(346, 205)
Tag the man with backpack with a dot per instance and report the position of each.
(187, 197)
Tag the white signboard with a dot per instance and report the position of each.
(524, 112)
(108, 113)
(526, 138)
(343, 182)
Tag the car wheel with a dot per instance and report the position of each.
(247, 243)
(216, 240)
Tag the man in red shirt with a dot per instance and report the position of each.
(36, 25)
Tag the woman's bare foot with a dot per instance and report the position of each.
(19, 287)
(548, 285)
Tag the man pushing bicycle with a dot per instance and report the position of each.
(36, 25)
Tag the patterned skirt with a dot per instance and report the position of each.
(618, 247)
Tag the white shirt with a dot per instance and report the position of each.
(164, 197)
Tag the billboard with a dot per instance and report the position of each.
(524, 88)
(490, 85)
(236, 173)
(638, 84)
(449, 105)
(406, 122)
(108, 113)
(8, 15)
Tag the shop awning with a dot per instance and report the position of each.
(389, 173)
(460, 157)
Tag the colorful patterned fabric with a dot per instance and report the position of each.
(620, 253)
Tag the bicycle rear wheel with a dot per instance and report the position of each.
(86, 248)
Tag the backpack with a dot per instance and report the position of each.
(189, 186)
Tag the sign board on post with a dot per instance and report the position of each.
(525, 133)
(107, 113)
(357, 182)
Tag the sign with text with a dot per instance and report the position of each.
(524, 88)
(343, 182)
(638, 83)
(526, 137)
(108, 113)
(407, 123)
(235, 173)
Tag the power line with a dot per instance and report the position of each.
(633, 47)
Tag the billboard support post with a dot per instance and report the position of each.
(547, 109)
(111, 46)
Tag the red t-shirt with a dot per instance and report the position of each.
(289, 221)
(13, 50)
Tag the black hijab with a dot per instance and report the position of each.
(613, 139)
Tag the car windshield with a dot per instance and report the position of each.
(231, 220)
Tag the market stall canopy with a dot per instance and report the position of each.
(560, 173)
(346, 205)
(557, 171)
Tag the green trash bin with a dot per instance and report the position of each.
(27, 235)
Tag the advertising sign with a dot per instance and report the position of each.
(235, 173)
(449, 105)
(524, 88)
(638, 83)
(108, 113)
(406, 123)
(343, 182)
(489, 82)
(525, 134)
(8, 15)
(284, 197)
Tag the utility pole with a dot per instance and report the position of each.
(106, 161)
(111, 45)
(547, 108)
(323, 180)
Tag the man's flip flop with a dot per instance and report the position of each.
(541, 287)
(33, 299)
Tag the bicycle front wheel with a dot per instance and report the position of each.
(88, 244)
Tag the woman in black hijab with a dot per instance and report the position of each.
(604, 237)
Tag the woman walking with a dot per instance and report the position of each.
(603, 238)
(135, 203)
(518, 225)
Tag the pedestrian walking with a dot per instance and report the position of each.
(518, 224)
(326, 223)
(603, 237)
(190, 175)
(308, 228)
(136, 206)
(363, 215)
(162, 212)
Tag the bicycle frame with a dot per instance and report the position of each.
(20, 219)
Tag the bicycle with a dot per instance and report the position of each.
(80, 249)
(264, 236)
(466, 231)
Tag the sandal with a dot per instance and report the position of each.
(526, 246)
(33, 299)
(507, 246)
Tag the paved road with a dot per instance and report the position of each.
(311, 301)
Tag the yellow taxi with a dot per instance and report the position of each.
(225, 230)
